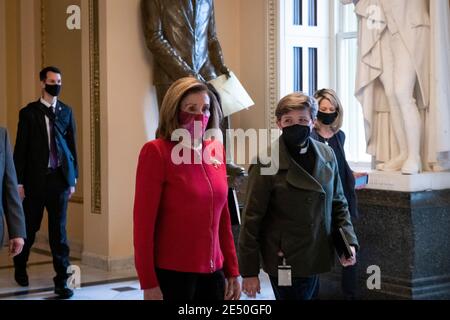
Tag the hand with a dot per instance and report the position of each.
(359, 174)
(71, 192)
(232, 289)
(251, 286)
(15, 246)
(351, 261)
(224, 70)
(21, 190)
(153, 294)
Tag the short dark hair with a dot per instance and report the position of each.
(297, 101)
(43, 73)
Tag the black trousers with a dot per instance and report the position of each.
(54, 197)
(349, 282)
(301, 289)
(182, 286)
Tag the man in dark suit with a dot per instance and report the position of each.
(47, 171)
(10, 203)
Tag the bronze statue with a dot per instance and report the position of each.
(181, 34)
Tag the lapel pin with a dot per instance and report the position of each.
(216, 163)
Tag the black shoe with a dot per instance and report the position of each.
(21, 277)
(63, 292)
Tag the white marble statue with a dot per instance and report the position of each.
(403, 82)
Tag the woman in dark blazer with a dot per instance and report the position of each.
(290, 216)
(327, 129)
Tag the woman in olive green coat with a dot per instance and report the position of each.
(289, 217)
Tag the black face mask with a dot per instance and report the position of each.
(327, 118)
(296, 135)
(53, 89)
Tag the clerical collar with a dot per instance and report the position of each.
(48, 105)
(304, 147)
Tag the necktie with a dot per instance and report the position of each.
(53, 150)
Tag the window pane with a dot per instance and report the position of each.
(312, 71)
(298, 12)
(298, 69)
(349, 20)
(312, 13)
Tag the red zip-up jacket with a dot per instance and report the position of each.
(181, 218)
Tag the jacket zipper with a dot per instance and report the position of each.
(211, 218)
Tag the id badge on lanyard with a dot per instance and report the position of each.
(284, 275)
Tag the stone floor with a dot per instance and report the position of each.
(96, 284)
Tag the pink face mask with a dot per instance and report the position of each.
(189, 121)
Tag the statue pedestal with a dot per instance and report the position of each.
(404, 229)
(395, 181)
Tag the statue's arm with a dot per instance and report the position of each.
(163, 52)
(214, 48)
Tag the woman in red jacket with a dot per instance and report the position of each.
(184, 247)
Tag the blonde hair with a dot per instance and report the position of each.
(170, 108)
(297, 101)
(332, 97)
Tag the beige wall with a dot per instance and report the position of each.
(228, 31)
(241, 27)
(20, 57)
(129, 94)
(13, 69)
(3, 106)
(253, 60)
(29, 57)
(95, 241)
